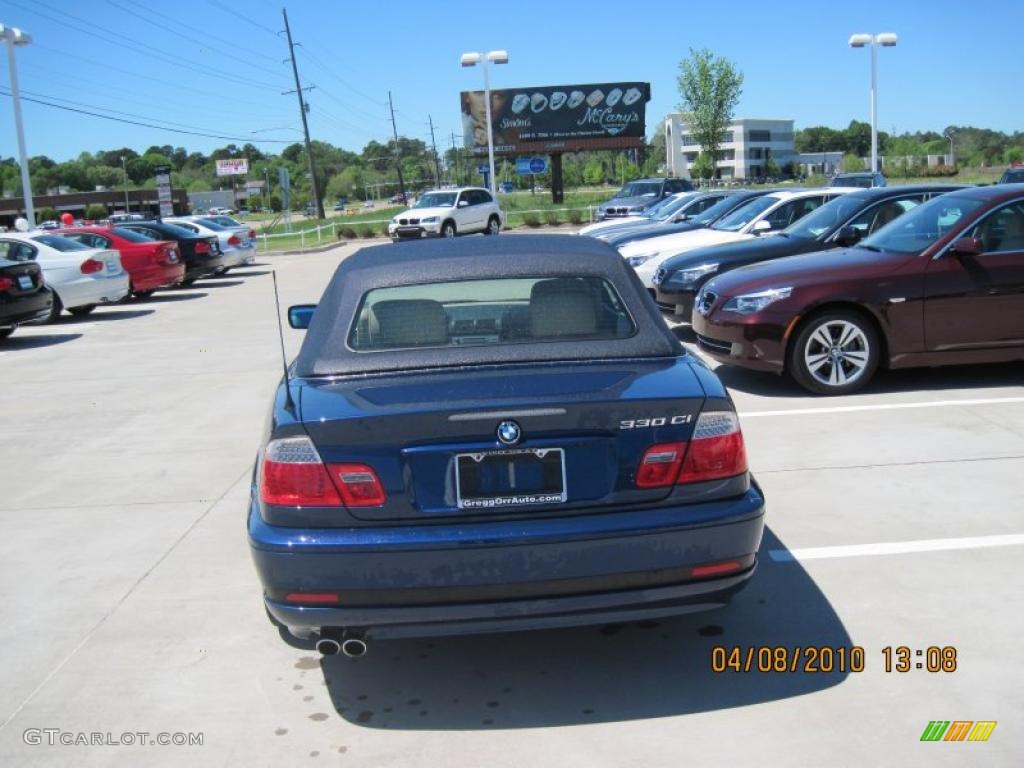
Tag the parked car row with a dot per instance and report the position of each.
(830, 285)
(77, 268)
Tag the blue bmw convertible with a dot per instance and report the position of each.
(491, 435)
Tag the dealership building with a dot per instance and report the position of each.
(743, 154)
(115, 201)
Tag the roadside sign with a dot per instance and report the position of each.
(163, 190)
(232, 167)
(483, 168)
(528, 165)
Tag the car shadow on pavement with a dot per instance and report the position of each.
(592, 674)
(164, 297)
(213, 282)
(104, 314)
(988, 376)
(35, 341)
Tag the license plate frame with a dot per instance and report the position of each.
(25, 282)
(543, 497)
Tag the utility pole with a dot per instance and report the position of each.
(305, 126)
(398, 159)
(433, 146)
(455, 151)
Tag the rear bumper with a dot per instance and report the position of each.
(89, 289)
(156, 276)
(201, 266)
(25, 308)
(450, 580)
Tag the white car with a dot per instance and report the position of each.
(246, 234)
(230, 242)
(660, 211)
(80, 277)
(447, 213)
(766, 214)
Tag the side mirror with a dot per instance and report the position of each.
(463, 203)
(967, 246)
(848, 236)
(761, 227)
(301, 315)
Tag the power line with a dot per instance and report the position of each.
(204, 44)
(111, 37)
(348, 85)
(5, 92)
(168, 83)
(244, 18)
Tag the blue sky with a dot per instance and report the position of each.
(220, 67)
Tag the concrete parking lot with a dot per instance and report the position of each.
(895, 518)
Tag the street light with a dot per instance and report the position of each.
(14, 36)
(888, 40)
(949, 135)
(471, 60)
(124, 167)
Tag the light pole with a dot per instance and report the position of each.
(471, 60)
(952, 158)
(124, 168)
(888, 40)
(14, 36)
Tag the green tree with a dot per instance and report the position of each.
(710, 88)
(593, 172)
(1013, 155)
(703, 167)
(852, 162)
(771, 168)
(47, 214)
(95, 212)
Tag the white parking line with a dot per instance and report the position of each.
(896, 547)
(881, 407)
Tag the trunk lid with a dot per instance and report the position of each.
(583, 431)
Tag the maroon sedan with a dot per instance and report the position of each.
(942, 284)
(150, 263)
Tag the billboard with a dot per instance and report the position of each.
(559, 118)
(232, 167)
(163, 190)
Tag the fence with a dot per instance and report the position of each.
(318, 231)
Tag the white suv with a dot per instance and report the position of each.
(447, 213)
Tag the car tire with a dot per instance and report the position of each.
(834, 353)
(187, 282)
(144, 294)
(448, 229)
(55, 309)
(5, 332)
(493, 226)
(82, 311)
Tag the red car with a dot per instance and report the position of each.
(150, 263)
(940, 285)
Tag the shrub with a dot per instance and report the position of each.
(47, 214)
(531, 220)
(551, 217)
(347, 232)
(384, 229)
(939, 170)
(576, 217)
(366, 231)
(96, 212)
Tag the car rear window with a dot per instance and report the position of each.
(489, 312)
(132, 236)
(59, 243)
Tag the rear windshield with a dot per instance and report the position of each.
(132, 235)
(489, 312)
(60, 243)
(211, 224)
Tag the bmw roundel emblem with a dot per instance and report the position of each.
(509, 432)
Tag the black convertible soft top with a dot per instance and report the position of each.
(326, 351)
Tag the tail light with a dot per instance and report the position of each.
(294, 475)
(715, 451)
(660, 465)
(166, 254)
(358, 484)
(6, 284)
(91, 266)
(233, 240)
(202, 247)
